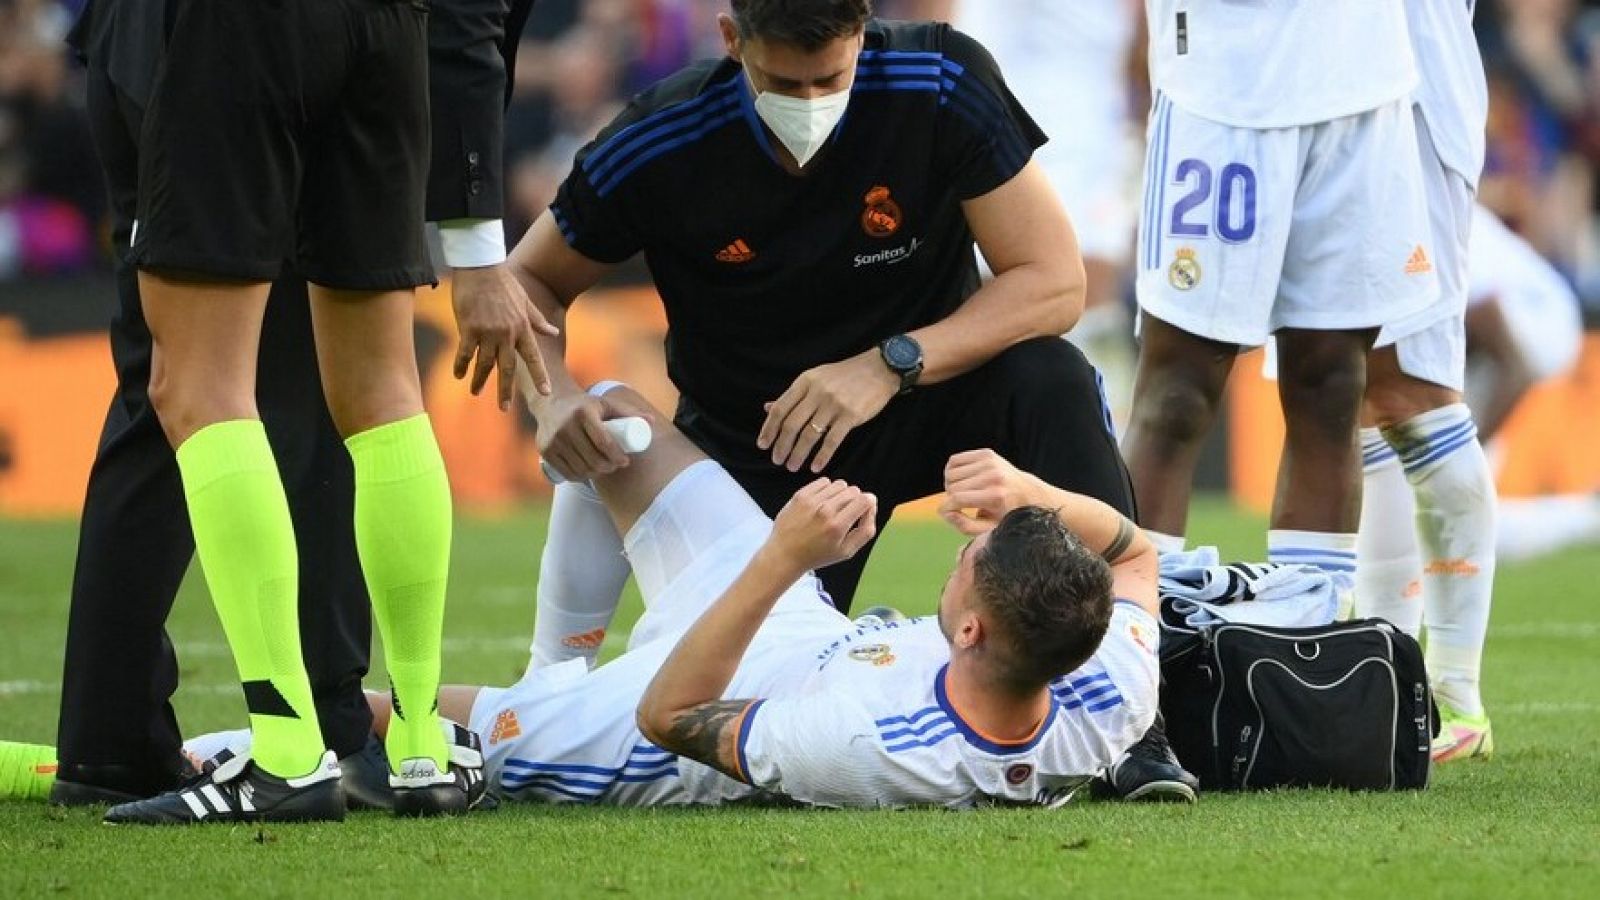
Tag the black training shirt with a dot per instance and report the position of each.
(765, 273)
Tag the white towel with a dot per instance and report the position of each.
(1197, 589)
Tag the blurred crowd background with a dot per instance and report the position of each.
(581, 59)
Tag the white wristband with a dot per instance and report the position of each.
(472, 243)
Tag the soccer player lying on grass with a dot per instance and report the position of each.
(742, 680)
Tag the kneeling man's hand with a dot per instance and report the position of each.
(825, 522)
(981, 486)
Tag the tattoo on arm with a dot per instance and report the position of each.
(1119, 544)
(709, 733)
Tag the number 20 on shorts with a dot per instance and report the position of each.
(1234, 212)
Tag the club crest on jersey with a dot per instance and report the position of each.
(1184, 273)
(877, 654)
(1019, 773)
(882, 216)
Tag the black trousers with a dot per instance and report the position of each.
(1038, 404)
(135, 542)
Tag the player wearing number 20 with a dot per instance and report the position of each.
(1283, 196)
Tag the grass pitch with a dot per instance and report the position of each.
(1526, 824)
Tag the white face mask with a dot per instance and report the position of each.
(802, 125)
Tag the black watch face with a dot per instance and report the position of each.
(901, 353)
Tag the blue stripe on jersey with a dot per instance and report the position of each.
(562, 223)
(971, 734)
(929, 741)
(726, 113)
(648, 776)
(919, 714)
(932, 724)
(656, 125)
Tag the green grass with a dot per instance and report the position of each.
(1525, 824)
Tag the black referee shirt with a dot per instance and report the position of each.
(764, 273)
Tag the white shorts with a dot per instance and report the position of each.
(1432, 344)
(566, 734)
(1247, 231)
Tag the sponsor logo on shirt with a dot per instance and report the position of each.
(506, 727)
(1184, 273)
(882, 216)
(892, 256)
(736, 253)
(1418, 263)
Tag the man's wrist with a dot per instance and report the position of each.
(472, 243)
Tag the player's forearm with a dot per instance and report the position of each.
(703, 663)
(552, 347)
(1130, 553)
(1027, 301)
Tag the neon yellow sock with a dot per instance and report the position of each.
(26, 771)
(246, 544)
(403, 530)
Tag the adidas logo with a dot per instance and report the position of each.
(589, 640)
(1419, 264)
(506, 727)
(418, 768)
(736, 252)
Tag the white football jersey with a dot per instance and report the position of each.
(1453, 93)
(1281, 63)
(852, 716)
(873, 726)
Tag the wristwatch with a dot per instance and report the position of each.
(903, 355)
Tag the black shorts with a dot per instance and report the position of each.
(1039, 404)
(289, 133)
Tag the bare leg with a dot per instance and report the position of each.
(1321, 377)
(629, 491)
(455, 704)
(1175, 400)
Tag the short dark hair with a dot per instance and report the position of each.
(807, 24)
(1049, 595)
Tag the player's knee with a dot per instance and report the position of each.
(1174, 410)
(622, 400)
(185, 407)
(1324, 398)
(1391, 400)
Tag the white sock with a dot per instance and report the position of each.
(1332, 552)
(1165, 543)
(1388, 561)
(581, 574)
(202, 747)
(1455, 524)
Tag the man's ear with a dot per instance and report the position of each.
(730, 34)
(968, 631)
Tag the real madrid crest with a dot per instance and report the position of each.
(1184, 273)
(877, 654)
(882, 216)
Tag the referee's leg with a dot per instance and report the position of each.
(335, 618)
